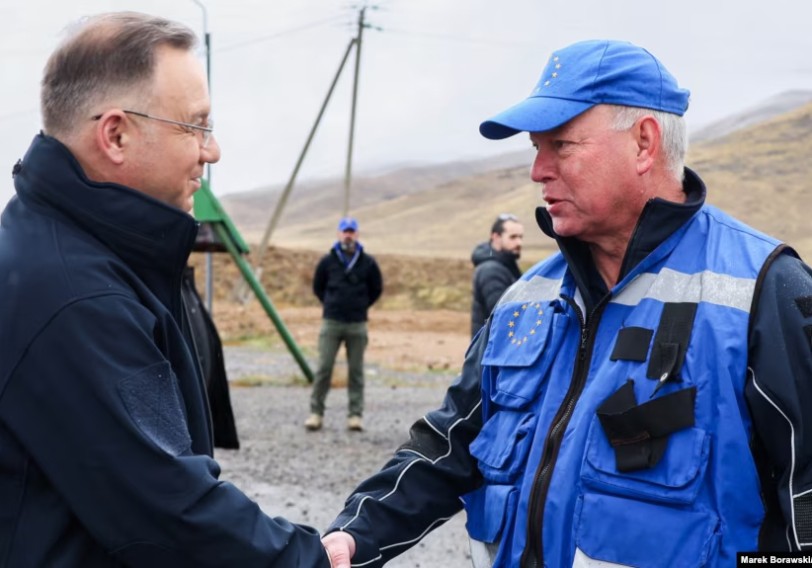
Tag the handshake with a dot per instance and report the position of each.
(340, 547)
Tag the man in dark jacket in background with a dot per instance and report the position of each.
(347, 282)
(496, 267)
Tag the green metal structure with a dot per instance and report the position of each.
(220, 234)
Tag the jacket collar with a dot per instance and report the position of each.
(506, 259)
(144, 232)
(658, 220)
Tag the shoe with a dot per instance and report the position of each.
(355, 423)
(313, 422)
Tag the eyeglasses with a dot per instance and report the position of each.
(202, 132)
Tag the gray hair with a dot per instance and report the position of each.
(674, 133)
(106, 56)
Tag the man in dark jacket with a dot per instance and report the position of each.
(496, 267)
(105, 432)
(347, 282)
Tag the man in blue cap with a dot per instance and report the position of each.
(638, 398)
(347, 282)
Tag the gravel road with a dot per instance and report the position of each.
(305, 476)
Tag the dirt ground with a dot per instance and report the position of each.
(418, 334)
(305, 476)
(398, 339)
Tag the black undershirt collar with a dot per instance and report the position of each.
(658, 220)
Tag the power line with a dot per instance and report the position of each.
(275, 35)
(446, 37)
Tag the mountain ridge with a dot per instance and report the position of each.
(755, 167)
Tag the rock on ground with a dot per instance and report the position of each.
(305, 476)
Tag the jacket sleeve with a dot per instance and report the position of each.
(492, 280)
(320, 279)
(419, 489)
(374, 282)
(100, 412)
(779, 394)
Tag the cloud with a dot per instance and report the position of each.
(426, 80)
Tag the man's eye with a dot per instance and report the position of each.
(560, 144)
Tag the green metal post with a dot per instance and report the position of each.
(248, 274)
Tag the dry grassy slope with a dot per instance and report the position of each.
(758, 174)
(446, 221)
(313, 207)
(409, 282)
(768, 109)
(423, 237)
(762, 175)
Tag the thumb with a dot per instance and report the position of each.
(340, 547)
(339, 558)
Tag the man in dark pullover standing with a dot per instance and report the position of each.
(347, 282)
(496, 267)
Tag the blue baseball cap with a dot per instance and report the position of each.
(348, 224)
(586, 74)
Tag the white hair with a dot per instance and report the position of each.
(674, 133)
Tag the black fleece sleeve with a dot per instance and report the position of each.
(779, 394)
(419, 489)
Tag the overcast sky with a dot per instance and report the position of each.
(432, 72)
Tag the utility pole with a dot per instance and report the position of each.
(348, 169)
(240, 292)
(207, 45)
(283, 199)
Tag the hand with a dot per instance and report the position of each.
(340, 547)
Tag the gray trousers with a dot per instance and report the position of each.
(354, 336)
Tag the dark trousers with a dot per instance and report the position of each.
(354, 337)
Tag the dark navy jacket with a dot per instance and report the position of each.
(347, 291)
(494, 272)
(421, 486)
(105, 435)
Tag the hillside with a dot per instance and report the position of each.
(758, 173)
(773, 107)
(761, 174)
(400, 211)
(422, 237)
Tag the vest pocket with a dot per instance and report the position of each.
(487, 510)
(676, 479)
(524, 340)
(502, 445)
(644, 535)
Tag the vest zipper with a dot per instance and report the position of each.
(533, 555)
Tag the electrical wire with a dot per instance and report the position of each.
(445, 37)
(276, 35)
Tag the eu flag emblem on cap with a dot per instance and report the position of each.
(586, 74)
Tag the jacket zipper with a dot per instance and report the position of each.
(533, 555)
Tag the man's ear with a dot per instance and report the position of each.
(648, 134)
(112, 135)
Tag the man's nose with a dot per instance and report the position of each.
(543, 169)
(211, 153)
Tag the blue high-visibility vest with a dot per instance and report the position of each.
(622, 436)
